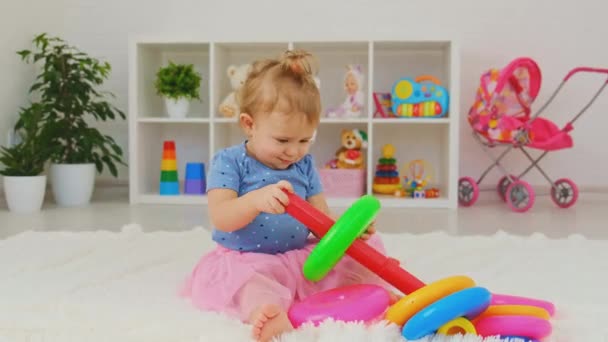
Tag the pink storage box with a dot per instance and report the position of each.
(343, 182)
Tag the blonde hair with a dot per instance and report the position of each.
(284, 85)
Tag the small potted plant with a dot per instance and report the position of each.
(68, 88)
(178, 84)
(24, 181)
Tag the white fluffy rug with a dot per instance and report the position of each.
(103, 286)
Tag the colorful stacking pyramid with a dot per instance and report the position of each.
(195, 179)
(386, 180)
(169, 182)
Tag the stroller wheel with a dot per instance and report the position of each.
(566, 194)
(502, 186)
(468, 191)
(520, 196)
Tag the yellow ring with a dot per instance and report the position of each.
(409, 305)
(388, 189)
(168, 165)
(458, 325)
(514, 310)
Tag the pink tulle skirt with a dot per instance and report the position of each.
(236, 283)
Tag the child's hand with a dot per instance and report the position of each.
(271, 198)
(371, 229)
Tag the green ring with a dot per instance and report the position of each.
(338, 239)
(387, 161)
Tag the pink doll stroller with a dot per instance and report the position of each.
(501, 115)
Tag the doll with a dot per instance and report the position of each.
(353, 104)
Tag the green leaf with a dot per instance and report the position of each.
(178, 81)
(55, 127)
(98, 165)
(24, 54)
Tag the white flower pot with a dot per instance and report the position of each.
(177, 109)
(72, 184)
(24, 194)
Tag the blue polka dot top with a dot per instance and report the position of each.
(233, 168)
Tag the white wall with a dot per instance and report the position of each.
(20, 21)
(491, 33)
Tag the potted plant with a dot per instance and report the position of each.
(67, 85)
(178, 84)
(24, 181)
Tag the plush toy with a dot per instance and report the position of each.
(237, 74)
(349, 156)
(353, 104)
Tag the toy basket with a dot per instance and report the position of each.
(343, 182)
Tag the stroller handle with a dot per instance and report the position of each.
(585, 69)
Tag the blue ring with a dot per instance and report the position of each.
(468, 302)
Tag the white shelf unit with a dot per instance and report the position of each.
(203, 132)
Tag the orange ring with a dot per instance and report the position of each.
(514, 310)
(409, 305)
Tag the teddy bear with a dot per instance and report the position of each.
(355, 98)
(237, 75)
(349, 155)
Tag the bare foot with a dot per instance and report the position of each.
(268, 321)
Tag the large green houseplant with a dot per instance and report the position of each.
(24, 161)
(67, 85)
(178, 84)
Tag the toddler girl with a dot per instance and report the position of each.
(255, 272)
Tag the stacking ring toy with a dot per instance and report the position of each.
(514, 310)
(411, 304)
(334, 244)
(459, 325)
(501, 299)
(526, 326)
(350, 303)
(385, 267)
(468, 302)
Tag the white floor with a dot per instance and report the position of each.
(110, 210)
(104, 286)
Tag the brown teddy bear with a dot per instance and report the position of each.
(350, 156)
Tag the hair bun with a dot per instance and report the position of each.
(299, 62)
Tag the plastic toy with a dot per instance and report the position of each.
(501, 116)
(469, 302)
(195, 179)
(514, 310)
(420, 97)
(408, 306)
(418, 173)
(454, 305)
(447, 300)
(526, 326)
(502, 299)
(361, 302)
(169, 182)
(355, 98)
(386, 179)
(384, 105)
(355, 218)
(458, 325)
